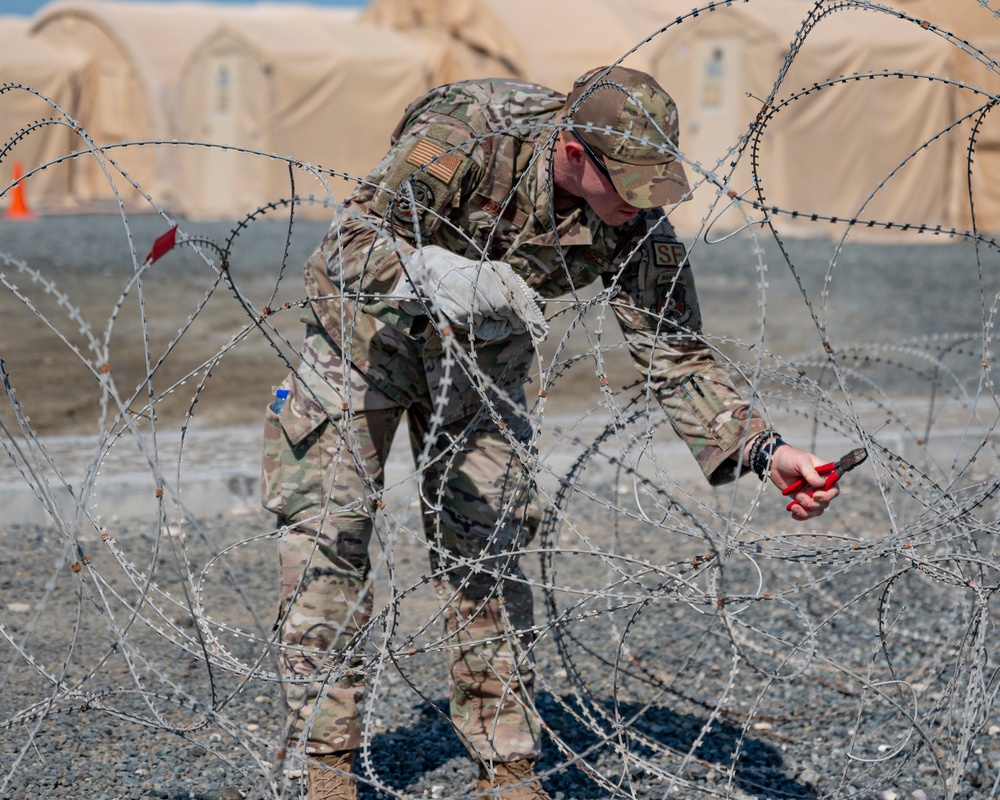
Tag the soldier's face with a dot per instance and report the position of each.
(600, 194)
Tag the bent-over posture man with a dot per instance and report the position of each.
(494, 195)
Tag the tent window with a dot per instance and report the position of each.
(112, 95)
(223, 87)
(713, 86)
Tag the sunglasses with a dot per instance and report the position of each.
(601, 166)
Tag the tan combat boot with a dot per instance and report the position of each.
(330, 777)
(513, 780)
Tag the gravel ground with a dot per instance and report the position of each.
(696, 643)
(846, 661)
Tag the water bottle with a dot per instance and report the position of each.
(280, 395)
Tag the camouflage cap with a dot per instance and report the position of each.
(625, 116)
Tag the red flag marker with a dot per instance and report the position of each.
(163, 245)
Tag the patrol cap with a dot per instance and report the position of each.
(616, 113)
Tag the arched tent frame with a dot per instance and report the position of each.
(133, 52)
(49, 76)
(312, 86)
(832, 141)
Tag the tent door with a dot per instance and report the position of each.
(222, 128)
(719, 84)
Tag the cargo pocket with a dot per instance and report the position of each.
(292, 469)
(705, 400)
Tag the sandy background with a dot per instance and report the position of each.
(181, 322)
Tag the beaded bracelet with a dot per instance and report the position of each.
(755, 446)
(762, 450)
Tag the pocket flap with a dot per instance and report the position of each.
(302, 414)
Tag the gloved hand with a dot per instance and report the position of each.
(485, 298)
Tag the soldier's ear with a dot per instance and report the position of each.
(575, 154)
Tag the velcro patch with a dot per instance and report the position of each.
(434, 159)
(427, 172)
(666, 285)
(668, 253)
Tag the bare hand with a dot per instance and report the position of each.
(788, 464)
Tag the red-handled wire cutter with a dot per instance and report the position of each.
(833, 471)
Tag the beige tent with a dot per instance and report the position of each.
(133, 51)
(865, 132)
(51, 74)
(550, 43)
(463, 36)
(828, 149)
(969, 22)
(718, 67)
(824, 154)
(306, 84)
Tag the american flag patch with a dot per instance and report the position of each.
(432, 156)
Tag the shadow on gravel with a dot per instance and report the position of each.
(405, 756)
(760, 770)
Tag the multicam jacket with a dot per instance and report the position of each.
(469, 170)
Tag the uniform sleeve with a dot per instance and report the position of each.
(433, 165)
(657, 308)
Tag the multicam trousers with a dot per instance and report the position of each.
(323, 474)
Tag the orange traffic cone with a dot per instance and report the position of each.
(18, 208)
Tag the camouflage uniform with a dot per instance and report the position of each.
(468, 170)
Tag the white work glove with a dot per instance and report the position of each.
(485, 298)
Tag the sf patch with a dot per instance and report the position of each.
(667, 253)
(668, 284)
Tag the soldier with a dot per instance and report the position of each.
(494, 196)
